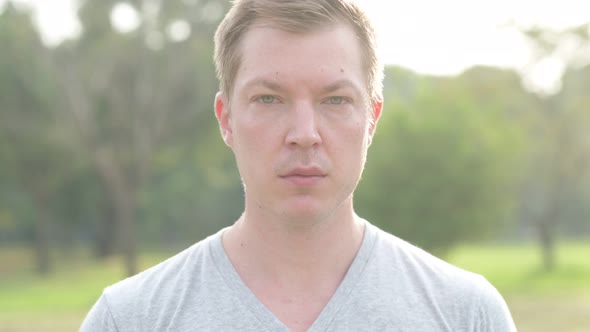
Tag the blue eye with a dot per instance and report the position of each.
(267, 99)
(335, 100)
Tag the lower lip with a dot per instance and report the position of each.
(301, 180)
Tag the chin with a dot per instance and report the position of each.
(305, 214)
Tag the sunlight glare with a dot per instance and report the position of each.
(56, 20)
(124, 18)
(178, 30)
(426, 36)
(2, 6)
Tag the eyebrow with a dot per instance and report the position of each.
(334, 86)
(264, 83)
(340, 84)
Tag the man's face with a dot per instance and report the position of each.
(298, 121)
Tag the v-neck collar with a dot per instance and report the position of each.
(263, 314)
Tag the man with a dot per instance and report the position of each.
(300, 96)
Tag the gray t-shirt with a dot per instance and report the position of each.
(390, 286)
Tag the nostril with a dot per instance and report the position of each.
(304, 137)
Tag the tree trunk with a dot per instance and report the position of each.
(546, 237)
(127, 231)
(106, 231)
(556, 184)
(41, 236)
(123, 196)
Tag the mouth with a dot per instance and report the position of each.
(304, 176)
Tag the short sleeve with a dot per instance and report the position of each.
(493, 313)
(99, 318)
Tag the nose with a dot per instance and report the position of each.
(303, 127)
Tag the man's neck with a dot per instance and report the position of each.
(294, 271)
(275, 247)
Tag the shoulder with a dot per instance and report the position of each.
(154, 293)
(466, 300)
(161, 277)
(392, 252)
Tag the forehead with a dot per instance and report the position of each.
(324, 54)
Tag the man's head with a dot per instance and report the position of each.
(301, 16)
(299, 102)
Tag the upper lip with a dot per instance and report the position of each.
(305, 171)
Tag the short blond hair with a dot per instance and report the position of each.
(298, 16)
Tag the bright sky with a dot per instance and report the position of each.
(428, 36)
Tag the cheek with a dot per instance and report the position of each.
(254, 141)
(350, 143)
(358, 134)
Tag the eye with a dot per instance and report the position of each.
(267, 99)
(336, 100)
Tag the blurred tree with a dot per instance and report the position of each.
(445, 159)
(183, 205)
(559, 127)
(131, 95)
(576, 99)
(33, 147)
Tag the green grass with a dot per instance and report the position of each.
(64, 290)
(539, 301)
(74, 284)
(516, 269)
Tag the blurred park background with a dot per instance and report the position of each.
(111, 159)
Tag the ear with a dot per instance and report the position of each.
(223, 117)
(374, 118)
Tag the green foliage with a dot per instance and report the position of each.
(445, 166)
(34, 148)
(442, 169)
(16, 214)
(195, 193)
